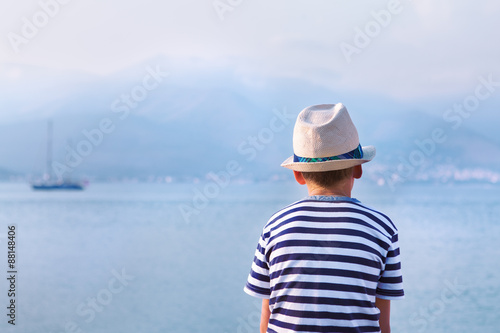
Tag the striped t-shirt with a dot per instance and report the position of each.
(322, 261)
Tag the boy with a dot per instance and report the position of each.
(327, 263)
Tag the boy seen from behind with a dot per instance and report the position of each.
(327, 263)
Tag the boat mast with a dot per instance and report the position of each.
(49, 150)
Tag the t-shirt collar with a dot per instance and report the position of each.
(330, 198)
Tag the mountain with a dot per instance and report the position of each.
(184, 120)
(6, 174)
(421, 147)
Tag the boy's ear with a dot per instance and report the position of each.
(299, 177)
(357, 172)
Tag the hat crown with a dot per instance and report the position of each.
(324, 130)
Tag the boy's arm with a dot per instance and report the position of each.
(265, 315)
(384, 305)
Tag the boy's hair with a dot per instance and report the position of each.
(328, 178)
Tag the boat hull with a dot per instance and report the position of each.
(55, 187)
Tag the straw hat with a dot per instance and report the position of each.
(325, 139)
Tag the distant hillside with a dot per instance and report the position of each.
(196, 121)
(8, 174)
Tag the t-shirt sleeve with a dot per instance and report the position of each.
(390, 283)
(258, 280)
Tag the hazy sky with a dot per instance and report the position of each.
(402, 49)
(418, 55)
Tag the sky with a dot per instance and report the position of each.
(436, 57)
(406, 50)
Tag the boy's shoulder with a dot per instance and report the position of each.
(326, 206)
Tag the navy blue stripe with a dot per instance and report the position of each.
(393, 267)
(393, 253)
(258, 290)
(391, 279)
(325, 271)
(322, 301)
(331, 231)
(395, 293)
(260, 249)
(261, 264)
(260, 277)
(326, 257)
(324, 329)
(376, 211)
(325, 286)
(331, 244)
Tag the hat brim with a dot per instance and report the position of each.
(368, 154)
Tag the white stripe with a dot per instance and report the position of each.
(323, 293)
(392, 273)
(324, 264)
(390, 286)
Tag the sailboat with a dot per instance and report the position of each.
(49, 182)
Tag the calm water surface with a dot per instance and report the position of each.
(123, 258)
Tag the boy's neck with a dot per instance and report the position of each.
(342, 189)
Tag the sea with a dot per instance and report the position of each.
(174, 257)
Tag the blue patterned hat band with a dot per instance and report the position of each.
(353, 154)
